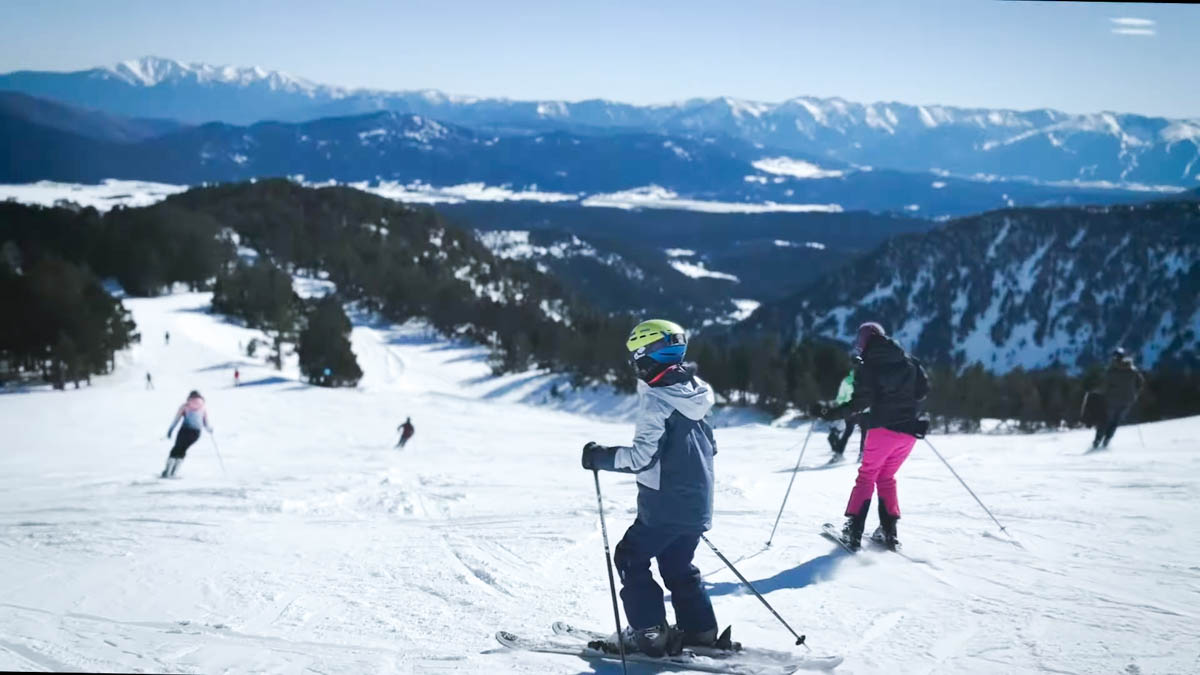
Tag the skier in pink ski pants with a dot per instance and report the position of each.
(891, 383)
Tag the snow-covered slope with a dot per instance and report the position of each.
(325, 549)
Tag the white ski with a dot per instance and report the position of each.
(747, 656)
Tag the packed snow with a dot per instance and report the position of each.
(658, 197)
(796, 168)
(113, 192)
(745, 307)
(784, 243)
(325, 549)
(422, 193)
(697, 270)
(101, 197)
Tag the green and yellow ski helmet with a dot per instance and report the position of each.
(661, 340)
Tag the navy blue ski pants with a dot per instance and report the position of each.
(643, 598)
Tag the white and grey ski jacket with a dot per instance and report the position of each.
(672, 452)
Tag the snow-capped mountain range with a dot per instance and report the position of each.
(1025, 288)
(1041, 145)
(414, 157)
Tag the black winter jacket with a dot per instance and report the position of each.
(891, 383)
(1122, 383)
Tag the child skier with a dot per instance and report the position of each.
(672, 455)
(838, 438)
(406, 432)
(194, 416)
(891, 383)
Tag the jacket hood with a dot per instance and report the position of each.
(883, 350)
(685, 392)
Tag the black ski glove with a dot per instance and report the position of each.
(597, 457)
(588, 456)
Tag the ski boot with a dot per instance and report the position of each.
(853, 529)
(655, 641)
(886, 532)
(174, 467)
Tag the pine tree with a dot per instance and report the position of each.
(326, 358)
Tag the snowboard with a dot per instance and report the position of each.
(834, 534)
(686, 660)
(740, 653)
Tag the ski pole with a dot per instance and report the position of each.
(612, 584)
(744, 580)
(790, 482)
(1140, 438)
(213, 438)
(964, 484)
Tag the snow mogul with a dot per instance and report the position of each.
(889, 384)
(194, 415)
(672, 457)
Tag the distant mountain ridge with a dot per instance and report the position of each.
(407, 154)
(1041, 145)
(1024, 288)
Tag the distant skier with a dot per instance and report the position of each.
(891, 383)
(166, 337)
(149, 381)
(237, 377)
(1123, 383)
(672, 455)
(194, 416)
(406, 432)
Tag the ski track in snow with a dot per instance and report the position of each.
(325, 549)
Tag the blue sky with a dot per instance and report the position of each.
(1071, 56)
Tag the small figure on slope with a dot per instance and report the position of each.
(890, 383)
(194, 415)
(149, 381)
(838, 438)
(406, 432)
(166, 337)
(672, 456)
(237, 377)
(1123, 383)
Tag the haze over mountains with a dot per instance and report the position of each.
(1039, 145)
(406, 155)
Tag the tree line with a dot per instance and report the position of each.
(404, 262)
(59, 324)
(776, 376)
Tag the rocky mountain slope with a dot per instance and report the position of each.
(1022, 288)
